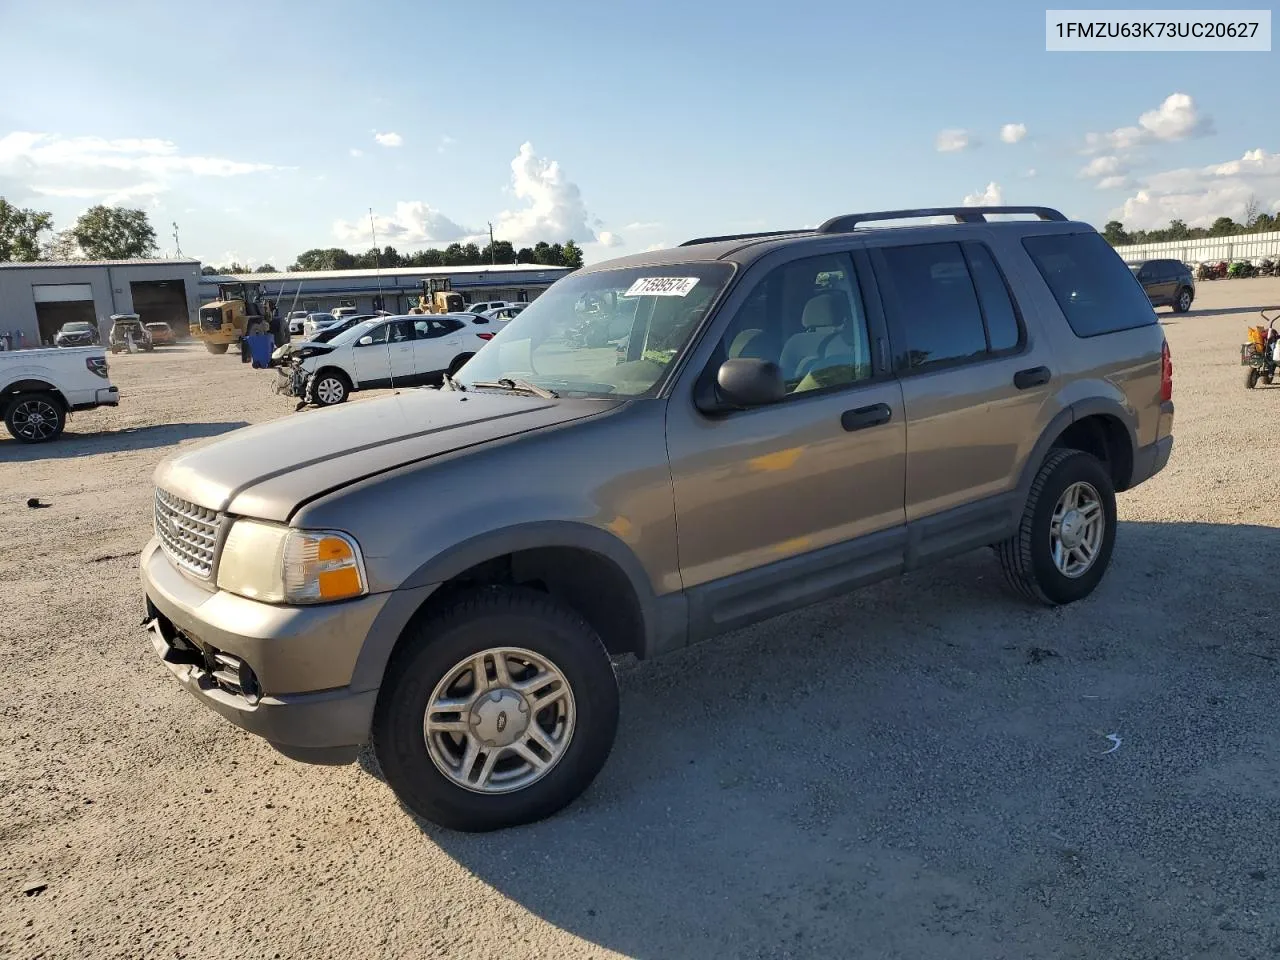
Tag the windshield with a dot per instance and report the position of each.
(76, 327)
(354, 333)
(609, 333)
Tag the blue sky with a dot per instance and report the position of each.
(256, 126)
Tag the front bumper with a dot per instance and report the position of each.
(301, 660)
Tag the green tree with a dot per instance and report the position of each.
(452, 256)
(500, 251)
(208, 270)
(525, 255)
(471, 255)
(110, 233)
(426, 258)
(266, 268)
(329, 258)
(20, 231)
(542, 253)
(557, 255)
(572, 255)
(1223, 227)
(1178, 230)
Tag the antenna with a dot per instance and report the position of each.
(391, 370)
(177, 246)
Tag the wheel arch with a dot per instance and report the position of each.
(1098, 426)
(586, 567)
(35, 385)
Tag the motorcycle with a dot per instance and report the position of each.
(1240, 269)
(1262, 353)
(1204, 271)
(1267, 268)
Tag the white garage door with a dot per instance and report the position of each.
(61, 292)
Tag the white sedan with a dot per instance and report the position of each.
(400, 351)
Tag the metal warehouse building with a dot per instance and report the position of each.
(36, 299)
(322, 290)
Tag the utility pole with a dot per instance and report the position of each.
(493, 257)
(176, 245)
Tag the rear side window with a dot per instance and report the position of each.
(1096, 291)
(1004, 332)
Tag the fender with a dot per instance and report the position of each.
(29, 384)
(665, 618)
(1077, 411)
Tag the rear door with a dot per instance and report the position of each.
(974, 381)
(437, 341)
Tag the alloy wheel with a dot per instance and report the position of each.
(1076, 529)
(35, 419)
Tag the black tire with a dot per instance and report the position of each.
(1026, 558)
(216, 348)
(338, 391)
(479, 621)
(1182, 303)
(458, 362)
(35, 417)
(1250, 378)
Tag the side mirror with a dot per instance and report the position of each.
(748, 382)
(366, 341)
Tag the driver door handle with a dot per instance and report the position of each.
(1035, 377)
(864, 417)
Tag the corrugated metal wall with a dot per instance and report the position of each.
(1246, 246)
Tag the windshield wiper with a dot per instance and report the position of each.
(517, 386)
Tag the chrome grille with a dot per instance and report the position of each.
(188, 533)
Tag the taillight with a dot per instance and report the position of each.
(1166, 373)
(485, 336)
(96, 365)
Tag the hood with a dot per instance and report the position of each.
(268, 471)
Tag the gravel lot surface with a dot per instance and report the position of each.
(916, 770)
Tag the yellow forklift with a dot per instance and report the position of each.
(438, 297)
(239, 311)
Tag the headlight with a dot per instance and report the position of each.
(275, 564)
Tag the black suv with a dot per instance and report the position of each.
(1168, 283)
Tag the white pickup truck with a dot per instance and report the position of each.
(39, 388)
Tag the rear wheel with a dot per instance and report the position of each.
(1183, 303)
(1250, 378)
(216, 348)
(500, 710)
(458, 362)
(1067, 532)
(35, 417)
(328, 388)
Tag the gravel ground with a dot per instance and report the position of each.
(916, 770)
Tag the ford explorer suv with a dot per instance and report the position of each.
(445, 574)
(40, 388)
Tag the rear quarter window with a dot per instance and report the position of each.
(1097, 293)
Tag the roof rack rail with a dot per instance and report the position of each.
(847, 222)
(742, 236)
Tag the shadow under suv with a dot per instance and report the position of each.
(446, 573)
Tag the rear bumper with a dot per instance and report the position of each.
(106, 397)
(1151, 459)
(312, 649)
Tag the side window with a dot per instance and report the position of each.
(1093, 287)
(400, 332)
(928, 292)
(808, 318)
(1004, 331)
(379, 334)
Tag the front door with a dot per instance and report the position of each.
(388, 360)
(974, 385)
(782, 504)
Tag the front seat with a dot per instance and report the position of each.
(824, 316)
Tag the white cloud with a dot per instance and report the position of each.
(1177, 118)
(608, 239)
(446, 142)
(1013, 132)
(1108, 166)
(951, 141)
(356, 152)
(107, 171)
(553, 207)
(413, 223)
(388, 139)
(1199, 195)
(1031, 172)
(642, 225)
(991, 196)
(1114, 183)
(660, 245)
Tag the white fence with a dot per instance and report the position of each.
(1244, 246)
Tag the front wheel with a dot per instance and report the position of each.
(459, 362)
(216, 348)
(1250, 378)
(499, 710)
(1068, 529)
(1183, 303)
(35, 417)
(328, 388)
